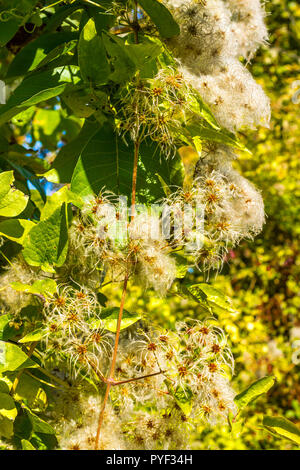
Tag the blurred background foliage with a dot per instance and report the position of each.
(261, 277)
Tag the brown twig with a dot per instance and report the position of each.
(113, 363)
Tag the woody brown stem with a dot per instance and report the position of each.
(113, 364)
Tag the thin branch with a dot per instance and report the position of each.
(138, 378)
(113, 363)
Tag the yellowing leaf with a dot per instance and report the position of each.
(12, 201)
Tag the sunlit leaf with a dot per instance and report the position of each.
(282, 427)
(255, 390)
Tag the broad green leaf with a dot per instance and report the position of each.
(215, 134)
(5, 384)
(30, 391)
(8, 328)
(42, 441)
(13, 358)
(143, 53)
(4, 321)
(107, 161)
(56, 200)
(47, 242)
(26, 445)
(252, 392)
(33, 53)
(45, 287)
(282, 427)
(84, 102)
(161, 17)
(109, 318)
(122, 64)
(8, 30)
(6, 427)
(7, 407)
(216, 299)
(39, 425)
(33, 336)
(16, 229)
(68, 155)
(40, 86)
(92, 59)
(200, 108)
(182, 265)
(12, 201)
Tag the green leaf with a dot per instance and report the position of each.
(8, 30)
(282, 427)
(26, 445)
(45, 287)
(107, 161)
(215, 134)
(4, 322)
(34, 53)
(6, 427)
(56, 200)
(7, 407)
(216, 299)
(30, 391)
(84, 102)
(12, 201)
(161, 17)
(68, 155)
(252, 392)
(182, 265)
(47, 242)
(33, 336)
(9, 329)
(109, 319)
(13, 358)
(16, 229)
(144, 55)
(39, 425)
(5, 384)
(37, 87)
(93, 63)
(123, 65)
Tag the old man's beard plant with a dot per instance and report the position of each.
(151, 386)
